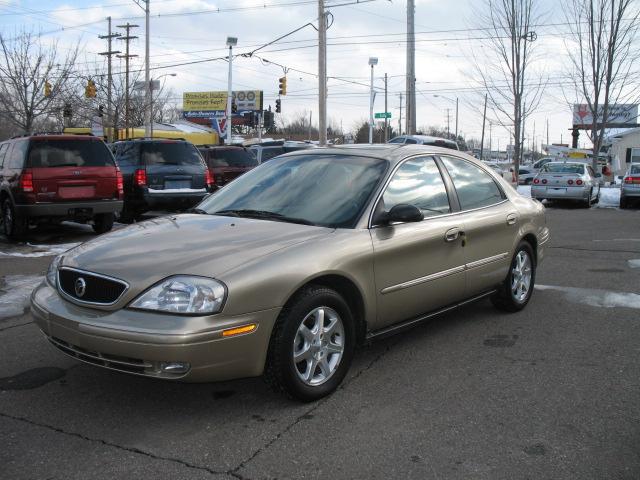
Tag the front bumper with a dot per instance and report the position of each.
(66, 209)
(560, 193)
(141, 342)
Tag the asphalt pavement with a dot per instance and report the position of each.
(550, 392)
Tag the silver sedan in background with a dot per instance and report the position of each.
(630, 189)
(566, 181)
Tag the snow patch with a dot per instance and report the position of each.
(31, 250)
(609, 197)
(15, 293)
(635, 263)
(596, 298)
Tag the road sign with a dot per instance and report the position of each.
(383, 115)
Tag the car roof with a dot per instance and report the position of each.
(56, 136)
(394, 152)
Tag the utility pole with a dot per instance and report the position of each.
(484, 118)
(411, 69)
(110, 131)
(310, 117)
(127, 39)
(322, 74)
(456, 119)
(400, 117)
(147, 78)
(490, 141)
(448, 119)
(386, 121)
(372, 62)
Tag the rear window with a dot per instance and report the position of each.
(170, 153)
(233, 158)
(635, 170)
(443, 144)
(563, 168)
(51, 153)
(270, 152)
(397, 140)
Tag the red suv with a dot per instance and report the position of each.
(227, 162)
(58, 177)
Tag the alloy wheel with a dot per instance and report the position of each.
(521, 273)
(318, 346)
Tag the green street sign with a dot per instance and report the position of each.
(383, 115)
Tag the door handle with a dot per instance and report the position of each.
(512, 218)
(452, 234)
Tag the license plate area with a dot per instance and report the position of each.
(70, 192)
(176, 184)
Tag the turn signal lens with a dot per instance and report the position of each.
(579, 182)
(119, 183)
(239, 330)
(26, 181)
(536, 181)
(140, 177)
(209, 178)
(570, 182)
(544, 180)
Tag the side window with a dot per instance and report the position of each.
(410, 140)
(3, 151)
(268, 153)
(16, 158)
(474, 186)
(128, 154)
(418, 182)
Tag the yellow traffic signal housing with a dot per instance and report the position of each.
(282, 85)
(47, 89)
(90, 89)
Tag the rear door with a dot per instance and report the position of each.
(71, 169)
(173, 166)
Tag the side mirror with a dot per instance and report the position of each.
(401, 213)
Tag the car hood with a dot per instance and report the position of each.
(206, 245)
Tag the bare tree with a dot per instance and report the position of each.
(505, 67)
(25, 66)
(602, 53)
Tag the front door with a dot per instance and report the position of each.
(419, 266)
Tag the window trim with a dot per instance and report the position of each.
(487, 170)
(443, 175)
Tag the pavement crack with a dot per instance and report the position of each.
(15, 326)
(114, 445)
(299, 418)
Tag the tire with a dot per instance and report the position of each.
(624, 203)
(103, 222)
(324, 361)
(587, 203)
(128, 215)
(13, 225)
(506, 298)
(597, 199)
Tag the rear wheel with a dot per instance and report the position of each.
(516, 290)
(103, 222)
(587, 202)
(14, 225)
(624, 203)
(312, 345)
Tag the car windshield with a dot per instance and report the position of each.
(48, 153)
(321, 189)
(170, 153)
(563, 168)
(236, 157)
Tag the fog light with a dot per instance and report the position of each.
(174, 367)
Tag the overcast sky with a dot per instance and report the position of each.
(191, 30)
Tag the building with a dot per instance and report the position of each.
(624, 148)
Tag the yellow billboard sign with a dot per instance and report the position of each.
(217, 101)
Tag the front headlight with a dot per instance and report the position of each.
(183, 294)
(52, 273)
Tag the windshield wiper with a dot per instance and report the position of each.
(198, 211)
(263, 215)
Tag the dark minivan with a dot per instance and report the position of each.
(50, 178)
(160, 174)
(227, 162)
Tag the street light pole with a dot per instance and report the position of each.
(372, 61)
(147, 91)
(231, 41)
(322, 74)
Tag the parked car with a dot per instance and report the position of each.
(630, 188)
(227, 162)
(425, 140)
(538, 164)
(275, 272)
(46, 178)
(496, 167)
(268, 150)
(526, 175)
(160, 174)
(566, 181)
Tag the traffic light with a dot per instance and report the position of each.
(234, 106)
(90, 89)
(47, 88)
(100, 110)
(282, 85)
(268, 119)
(66, 111)
(278, 108)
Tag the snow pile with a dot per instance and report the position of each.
(31, 250)
(609, 197)
(15, 292)
(596, 298)
(635, 263)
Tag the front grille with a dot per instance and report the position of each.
(124, 364)
(89, 287)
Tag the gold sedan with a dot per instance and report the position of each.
(287, 269)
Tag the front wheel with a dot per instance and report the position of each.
(516, 290)
(312, 345)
